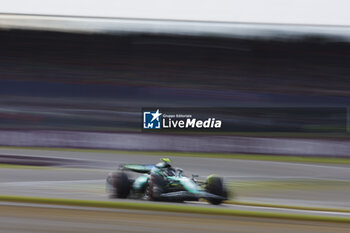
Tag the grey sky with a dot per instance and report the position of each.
(317, 12)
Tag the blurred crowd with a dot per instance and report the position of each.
(55, 80)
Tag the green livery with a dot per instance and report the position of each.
(161, 182)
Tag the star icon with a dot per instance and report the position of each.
(156, 115)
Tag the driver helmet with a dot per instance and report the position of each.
(165, 167)
(164, 163)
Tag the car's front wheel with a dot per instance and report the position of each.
(215, 185)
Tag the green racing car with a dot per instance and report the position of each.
(161, 182)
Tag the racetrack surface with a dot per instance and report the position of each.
(305, 147)
(22, 218)
(88, 181)
(230, 168)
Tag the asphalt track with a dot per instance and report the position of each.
(87, 182)
(171, 142)
(36, 218)
(229, 168)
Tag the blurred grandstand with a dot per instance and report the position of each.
(100, 81)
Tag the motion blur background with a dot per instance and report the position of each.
(93, 68)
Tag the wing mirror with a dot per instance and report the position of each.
(179, 172)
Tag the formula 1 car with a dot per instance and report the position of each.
(161, 182)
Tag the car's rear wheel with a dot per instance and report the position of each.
(155, 188)
(120, 185)
(215, 185)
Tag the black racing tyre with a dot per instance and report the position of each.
(215, 186)
(121, 185)
(156, 187)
